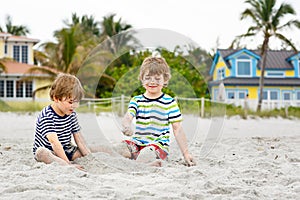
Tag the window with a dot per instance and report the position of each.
(243, 66)
(5, 48)
(299, 68)
(19, 89)
(221, 73)
(20, 53)
(298, 95)
(16, 53)
(286, 96)
(274, 95)
(265, 95)
(230, 95)
(241, 94)
(1, 88)
(16, 89)
(24, 54)
(270, 95)
(9, 88)
(275, 74)
(28, 89)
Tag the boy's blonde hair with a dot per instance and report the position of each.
(155, 66)
(66, 86)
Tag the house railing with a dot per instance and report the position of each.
(266, 104)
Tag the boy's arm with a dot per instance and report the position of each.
(182, 143)
(126, 124)
(84, 150)
(57, 147)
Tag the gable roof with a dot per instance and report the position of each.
(276, 59)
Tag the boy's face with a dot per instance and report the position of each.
(66, 106)
(153, 83)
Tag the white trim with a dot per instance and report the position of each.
(237, 66)
(275, 76)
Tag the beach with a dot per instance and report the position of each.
(236, 159)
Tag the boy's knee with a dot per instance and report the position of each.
(41, 153)
(147, 155)
(123, 150)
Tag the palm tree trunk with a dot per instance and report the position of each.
(262, 74)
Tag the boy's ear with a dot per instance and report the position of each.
(166, 83)
(55, 99)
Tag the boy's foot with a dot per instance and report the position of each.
(148, 155)
(157, 163)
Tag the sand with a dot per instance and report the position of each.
(236, 159)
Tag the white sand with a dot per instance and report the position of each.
(251, 159)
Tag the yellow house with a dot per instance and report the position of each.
(12, 85)
(236, 74)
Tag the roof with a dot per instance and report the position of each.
(13, 38)
(16, 68)
(255, 82)
(276, 59)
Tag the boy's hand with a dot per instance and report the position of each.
(189, 160)
(127, 131)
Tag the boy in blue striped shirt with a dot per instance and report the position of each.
(154, 112)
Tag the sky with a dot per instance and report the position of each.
(209, 23)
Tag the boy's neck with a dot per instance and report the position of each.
(152, 95)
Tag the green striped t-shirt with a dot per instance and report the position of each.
(153, 119)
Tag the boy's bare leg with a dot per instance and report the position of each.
(76, 155)
(119, 149)
(148, 156)
(123, 150)
(45, 155)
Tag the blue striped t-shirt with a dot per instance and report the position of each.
(49, 122)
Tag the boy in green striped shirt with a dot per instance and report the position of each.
(154, 112)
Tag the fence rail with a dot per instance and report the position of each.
(120, 103)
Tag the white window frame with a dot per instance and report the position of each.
(237, 67)
(241, 92)
(298, 68)
(275, 76)
(268, 91)
(296, 94)
(221, 73)
(21, 57)
(287, 92)
(25, 94)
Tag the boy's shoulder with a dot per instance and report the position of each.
(166, 96)
(138, 97)
(47, 111)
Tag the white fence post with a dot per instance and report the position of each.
(202, 107)
(122, 104)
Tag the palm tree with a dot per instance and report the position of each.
(87, 24)
(2, 63)
(110, 31)
(19, 30)
(267, 19)
(65, 56)
(69, 52)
